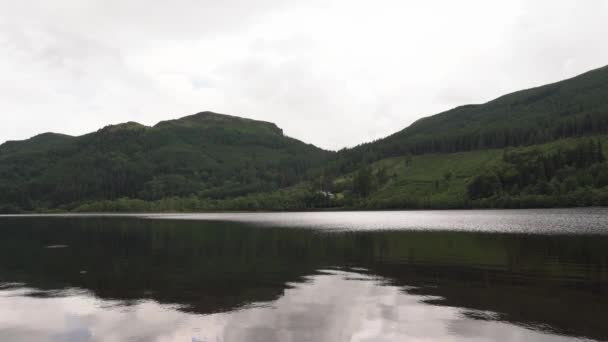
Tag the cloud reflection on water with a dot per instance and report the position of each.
(330, 306)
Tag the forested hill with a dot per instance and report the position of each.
(545, 146)
(570, 108)
(207, 155)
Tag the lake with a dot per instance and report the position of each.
(528, 275)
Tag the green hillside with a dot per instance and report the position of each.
(541, 147)
(523, 177)
(207, 155)
(576, 174)
(570, 108)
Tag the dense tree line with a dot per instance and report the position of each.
(501, 137)
(486, 138)
(571, 108)
(554, 176)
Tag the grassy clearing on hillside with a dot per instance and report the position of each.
(425, 181)
(440, 180)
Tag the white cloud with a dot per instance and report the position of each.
(334, 73)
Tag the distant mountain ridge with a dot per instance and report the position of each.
(213, 157)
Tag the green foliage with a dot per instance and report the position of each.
(570, 108)
(524, 149)
(208, 155)
(362, 183)
(487, 178)
(572, 176)
(484, 185)
(428, 181)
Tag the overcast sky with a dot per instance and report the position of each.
(334, 73)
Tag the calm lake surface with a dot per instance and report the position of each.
(529, 275)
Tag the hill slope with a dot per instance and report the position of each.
(209, 161)
(206, 154)
(563, 173)
(569, 108)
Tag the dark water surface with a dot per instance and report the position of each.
(530, 275)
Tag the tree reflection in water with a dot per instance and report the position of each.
(124, 278)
